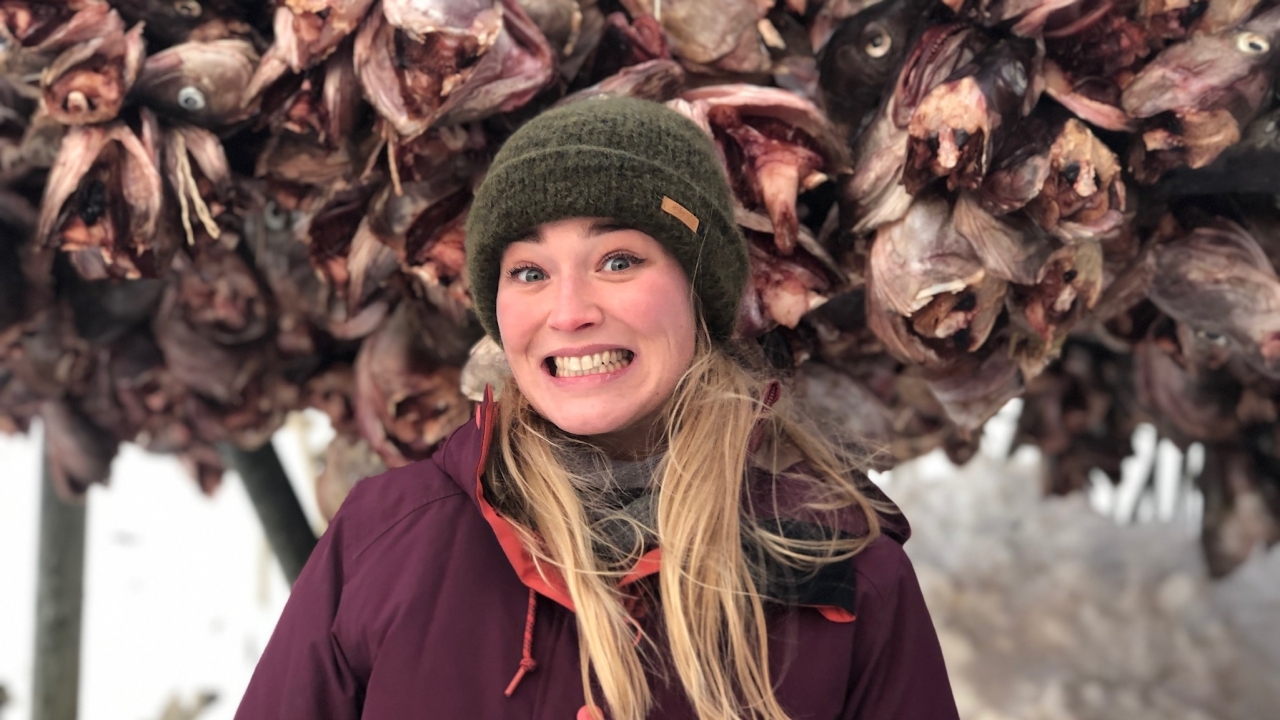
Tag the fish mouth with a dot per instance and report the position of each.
(948, 137)
(596, 363)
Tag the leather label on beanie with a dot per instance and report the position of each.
(680, 212)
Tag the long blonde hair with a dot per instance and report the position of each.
(710, 603)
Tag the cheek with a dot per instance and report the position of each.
(663, 311)
(514, 319)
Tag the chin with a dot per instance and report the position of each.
(585, 424)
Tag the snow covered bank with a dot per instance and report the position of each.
(1049, 611)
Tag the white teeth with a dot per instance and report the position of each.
(605, 362)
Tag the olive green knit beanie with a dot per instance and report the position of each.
(633, 161)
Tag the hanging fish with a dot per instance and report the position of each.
(199, 82)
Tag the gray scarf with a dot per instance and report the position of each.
(624, 509)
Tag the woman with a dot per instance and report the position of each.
(643, 526)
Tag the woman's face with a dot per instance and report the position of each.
(597, 323)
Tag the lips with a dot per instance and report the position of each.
(575, 364)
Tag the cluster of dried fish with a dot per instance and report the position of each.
(219, 211)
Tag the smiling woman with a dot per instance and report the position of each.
(597, 321)
(645, 518)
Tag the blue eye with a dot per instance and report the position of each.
(527, 274)
(618, 263)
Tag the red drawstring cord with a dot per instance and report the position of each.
(527, 663)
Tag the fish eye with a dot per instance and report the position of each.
(190, 98)
(188, 8)
(274, 217)
(1212, 337)
(877, 41)
(1252, 43)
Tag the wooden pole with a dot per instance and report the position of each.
(59, 601)
(288, 532)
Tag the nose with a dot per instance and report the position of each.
(576, 307)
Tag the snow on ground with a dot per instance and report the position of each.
(1047, 610)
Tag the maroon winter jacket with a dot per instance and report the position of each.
(419, 602)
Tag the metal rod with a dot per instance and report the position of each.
(59, 603)
(288, 532)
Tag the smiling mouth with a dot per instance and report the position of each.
(595, 364)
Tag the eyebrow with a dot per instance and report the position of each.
(597, 228)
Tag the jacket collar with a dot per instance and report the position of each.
(831, 591)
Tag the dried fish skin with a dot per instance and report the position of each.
(961, 123)
(102, 204)
(659, 80)
(323, 104)
(174, 21)
(353, 266)
(1218, 281)
(974, 389)
(774, 145)
(424, 225)
(199, 82)
(308, 31)
(87, 83)
(448, 63)
(1010, 247)
(407, 387)
(722, 35)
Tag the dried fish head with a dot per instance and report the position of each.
(32, 32)
(783, 288)
(861, 57)
(87, 83)
(1200, 93)
(958, 126)
(407, 389)
(447, 62)
(974, 389)
(199, 82)
(103, 200)
(1067, 287)
(1083, 196)
(873, 194)
(1218, 281)
(322, 104)
(775, 145)
(927, 287)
